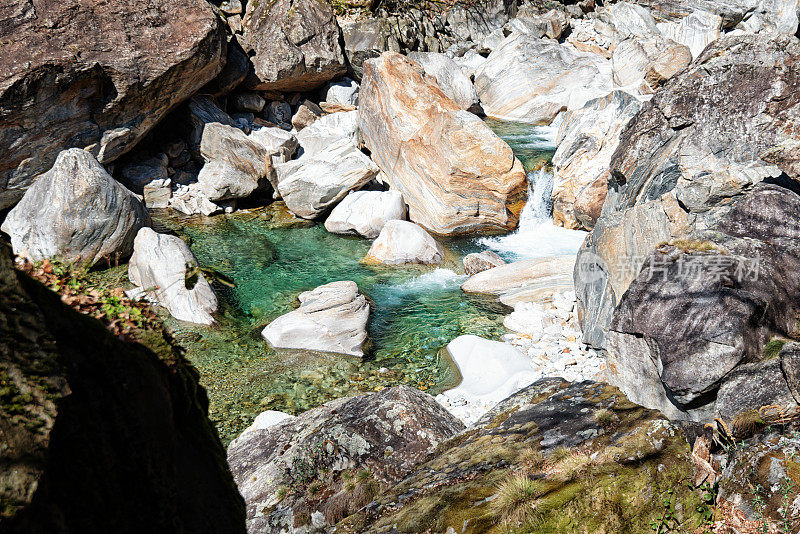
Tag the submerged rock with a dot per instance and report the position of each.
(293, 44)
(347, 449)
(365, 213)
(98, 75)
(403, 242)
(586, 141)
(477, 262)
(331, 318)
(533, 80)
(76, 212)
(315, 182)
(455, 174)
(164, 268)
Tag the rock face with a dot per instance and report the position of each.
(96, 430)
(403, 242)
(454, 173)
(532, 80)
(696, 31)
(293, 44)
(329, 130)
(610, 443)
(712, 192)
(331, 318)
(235, 164)
(521, 277)
(365, 213)
(76, 212)
(586, 141)
(477, 262)
(450, 78)
(384, 435)
(136, 61)
(654, 60)
(315, 182)
(159, 266)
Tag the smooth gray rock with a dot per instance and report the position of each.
(753, 386)
(159, 267)
(344, 92)
(450, 78)
(237, 65)
(477, 262)
(363, 40)
(401, 242)
(652, 61)
(157, 193)
(365, 213)
(191, 200)
(293, 44)
(315, 182)
(76, 212)
(281, 145)
(235, 163)
(533, 80)
(331, 318)
(385, 434)
(252, 102)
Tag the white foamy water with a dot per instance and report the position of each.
(536, 236)
(435, 281)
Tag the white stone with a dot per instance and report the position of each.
(365, 213)
(696, 31)
(344, 92)
(159, 266)
(331, 318)
(404, 242)
(449, 77)
(263, 421)
(329, 129)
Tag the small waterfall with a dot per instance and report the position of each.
(539, 207)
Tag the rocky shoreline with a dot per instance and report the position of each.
(575, 223)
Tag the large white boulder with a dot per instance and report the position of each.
(696, 31)
(365, 213)
(314, 182)
(234, 163)
(165, 269)
(329, 129)
(76, 212)
(331, 318)
(344, 92)
(450, 78)
(533, 80)
(404, 242)
(491, 371)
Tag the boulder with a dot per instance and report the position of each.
(201, 110)
(490, 372)
(96, 429)
(676, 171)
(76, 212)
(519, 277)
(587, 138)
(731, 11)
(477, 262)
(329, 130)
(371, 441)
(532, 80)
(755, 385)
(281, 146)
(403, 242)
(293, 44)
(192, 200)
(280, 113)
(237, 65)
(343, 92)
(139, 172)
(653, 60)
(695, 31)
(166, 270)
(450, 78)
(469, 63)
(364, 39)
(624, 20)
(307, 112)
(158, 193)
(331, 318)
(568, 450)
(771, 16)
(235, 163)
(95, 76)
(252, 102)
(365, 213)
(455, 174)
(315, 182)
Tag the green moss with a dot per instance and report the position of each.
(773, 348)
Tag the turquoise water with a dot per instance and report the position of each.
(416, 311)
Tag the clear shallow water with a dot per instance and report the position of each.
(416, 311)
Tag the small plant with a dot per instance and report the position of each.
(515, 499)
(759, 506)
(604, 417)
(559, 454)
(708, 505)
(786, 489)
(669, 520)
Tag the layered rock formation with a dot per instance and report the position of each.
(293, 44)
(450, 79)
(454, 173)
(97, 431)
(348, 449)
(95, 74)
(718, 294)
(331, 318)
(76, 212)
